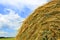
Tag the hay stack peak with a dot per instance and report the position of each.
(42, 24)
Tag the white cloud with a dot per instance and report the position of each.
(12, 19)
(2, 33)
(7, 34)
(21, 3)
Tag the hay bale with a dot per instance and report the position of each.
(42, 24)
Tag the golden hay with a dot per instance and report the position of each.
(42, 24)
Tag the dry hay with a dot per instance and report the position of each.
(42, 24)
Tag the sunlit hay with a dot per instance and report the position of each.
(42, 24)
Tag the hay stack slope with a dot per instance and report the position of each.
(42, 24)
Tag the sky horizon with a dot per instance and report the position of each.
(14, 12)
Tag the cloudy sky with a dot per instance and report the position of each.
(14, 12)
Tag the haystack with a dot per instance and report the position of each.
(42, 24)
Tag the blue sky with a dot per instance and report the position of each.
(13, 12)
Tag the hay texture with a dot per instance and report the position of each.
(42, 24)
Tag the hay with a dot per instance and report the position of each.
(42, 24)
